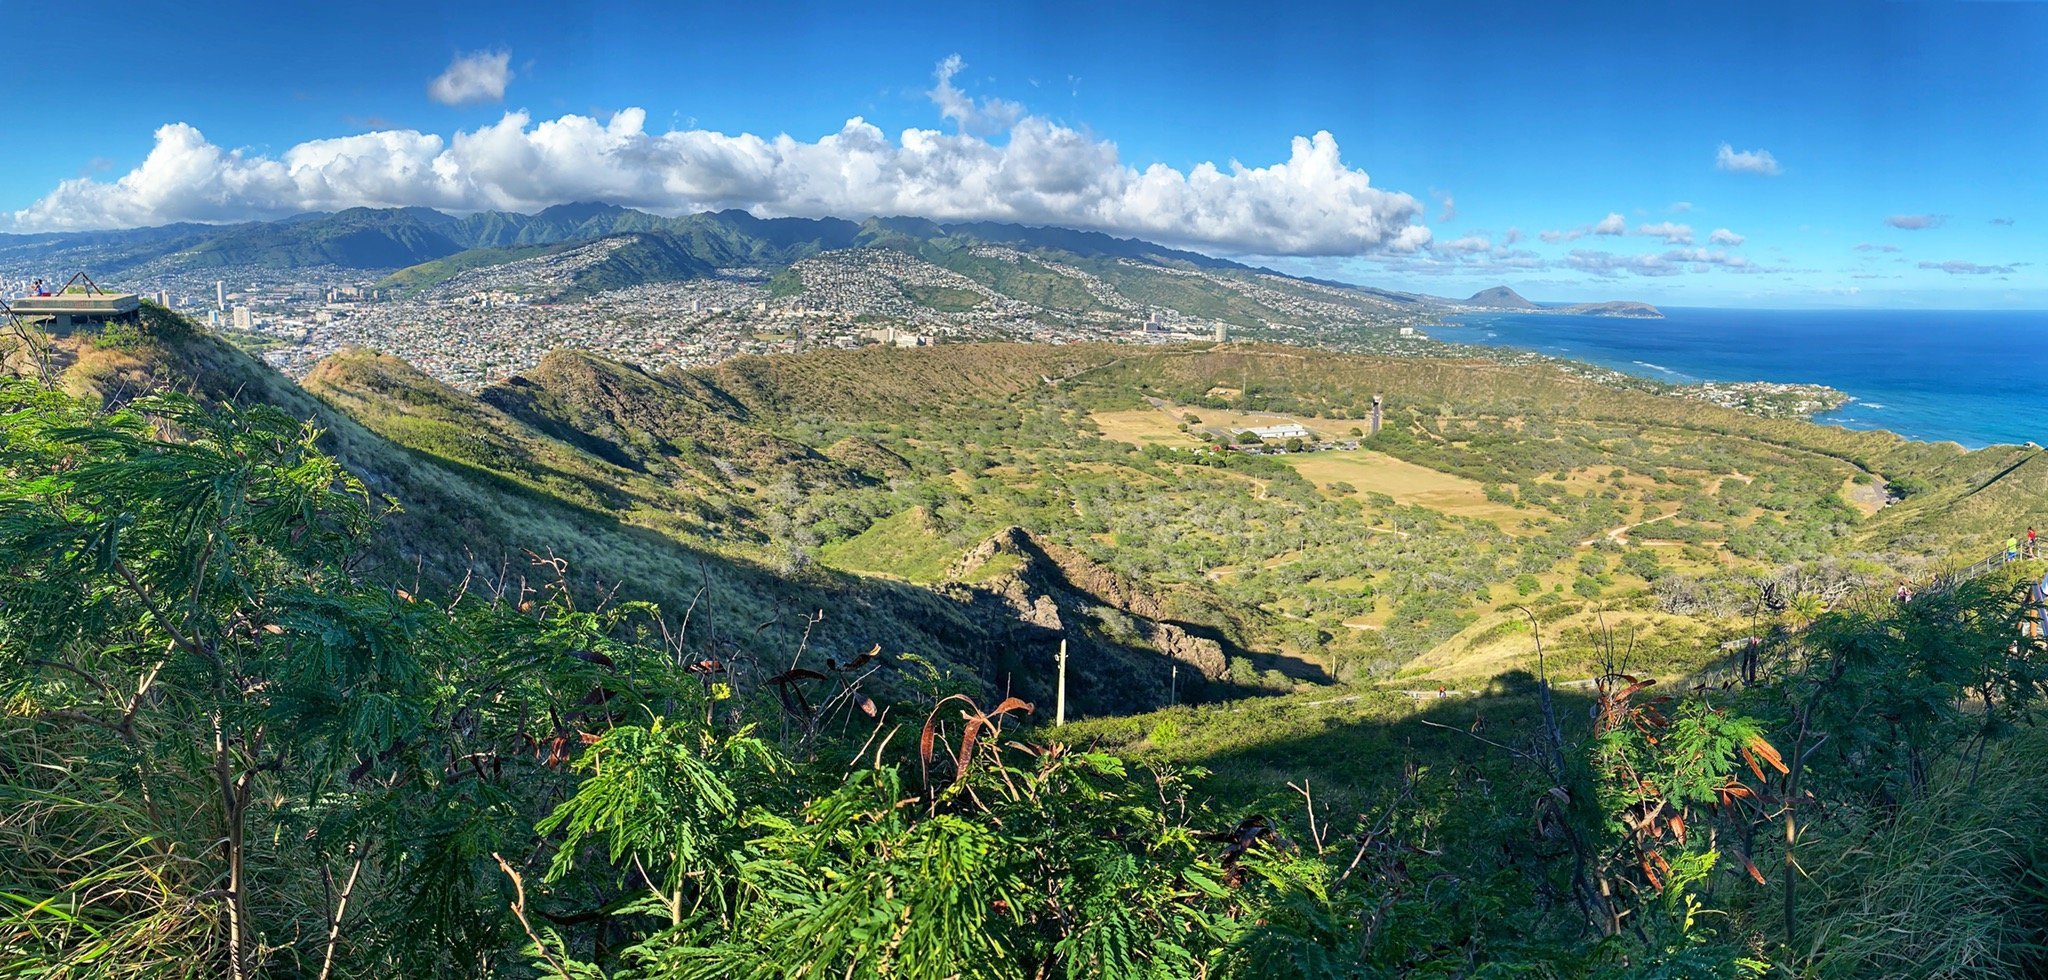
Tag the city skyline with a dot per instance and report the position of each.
(1849, 154)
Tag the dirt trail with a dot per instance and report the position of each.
(1619, 535)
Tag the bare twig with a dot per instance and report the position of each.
(340, 909)
(519, 912)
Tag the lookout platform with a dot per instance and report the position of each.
(77, 309)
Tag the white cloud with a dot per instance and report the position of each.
(1680, 207)
(1613, 224)
(1723, 236)
(1514, 235)
(1873, 247)
(1759, 162)
(1916, 222)
(981, 118)
(1608, 264)
(1311, 203)
(1672, 233)
(480, 76)
(1469, 243)
(1450, 208)
(1670, 263)
(1708, 257)
(1956, 267)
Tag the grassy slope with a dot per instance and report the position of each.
(458, 518)
(651, 480)
(425, 275)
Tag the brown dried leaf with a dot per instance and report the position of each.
(1012, 704)
(1768, 754)
(1750, 757)
(857, 662)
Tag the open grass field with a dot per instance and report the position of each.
(1407, 483)
(1160, 424)
(1143, 427)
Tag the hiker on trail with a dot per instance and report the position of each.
(2012, 548)
(1905, 594)
(1439, 690)
(2031, 552)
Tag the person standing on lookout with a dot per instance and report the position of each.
(2032, 552)
(2012, 548)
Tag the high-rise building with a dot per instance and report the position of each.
(1222, 331)
(220, 295)
(244, 318)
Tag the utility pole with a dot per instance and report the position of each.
(1174, 686)
(1059, 716)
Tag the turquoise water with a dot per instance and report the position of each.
(1965, 376)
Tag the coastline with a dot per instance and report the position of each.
(1926, 375)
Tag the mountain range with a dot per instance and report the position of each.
(431, 246)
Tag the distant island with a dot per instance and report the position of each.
(1505, 298)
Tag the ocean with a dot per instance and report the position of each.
(1962, 376)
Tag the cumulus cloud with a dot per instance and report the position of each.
(1916, 222)
(1672, 233)
(1514, 235)
(1311, 203)
(479, 76)
(1615, 225)
(1956, 267)
(1759, 162)
(1723, 236)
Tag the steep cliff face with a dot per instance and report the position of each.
(1121, 651)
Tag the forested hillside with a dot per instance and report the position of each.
(751, 671)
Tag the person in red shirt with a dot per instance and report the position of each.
(2030, 543)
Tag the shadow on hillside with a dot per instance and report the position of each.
(1481, 743)
(1105, 676)
(747, 609)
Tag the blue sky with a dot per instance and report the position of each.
(1902, 139)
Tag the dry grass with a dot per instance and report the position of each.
(1143, 427)
(1407, 483)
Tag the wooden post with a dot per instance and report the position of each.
(1059, 716)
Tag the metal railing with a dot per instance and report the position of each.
(1983, 566)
